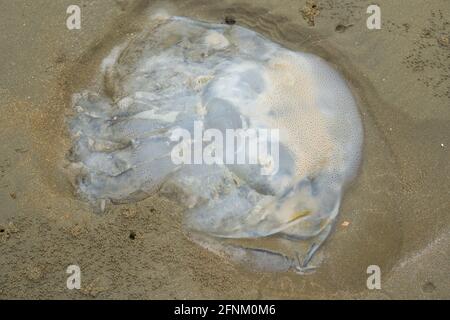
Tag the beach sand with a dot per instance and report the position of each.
(396, 214)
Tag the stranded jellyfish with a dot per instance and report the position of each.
(181, 85)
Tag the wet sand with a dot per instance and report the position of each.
(397, 210)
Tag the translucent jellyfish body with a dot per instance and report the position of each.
(179, 73)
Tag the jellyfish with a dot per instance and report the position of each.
(183, 75)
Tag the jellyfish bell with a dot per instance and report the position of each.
(180, 72)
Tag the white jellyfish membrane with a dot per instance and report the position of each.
(179, 71)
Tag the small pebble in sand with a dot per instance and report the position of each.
(444, 41)
(129, 212)
(310, 12)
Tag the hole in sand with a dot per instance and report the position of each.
(230, 20)
(428, 287)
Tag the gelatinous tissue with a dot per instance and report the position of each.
(178, 72)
